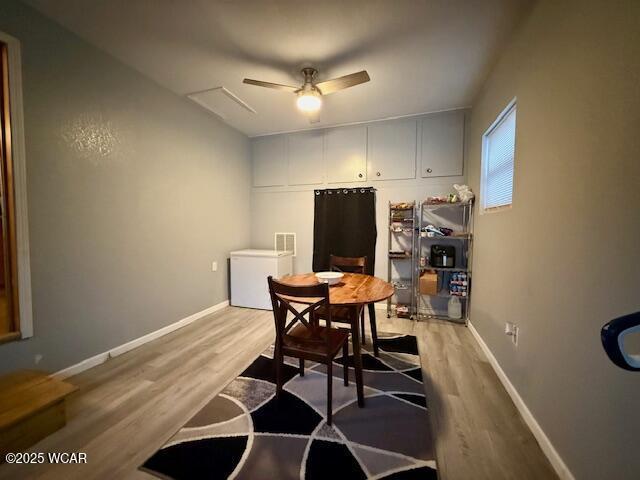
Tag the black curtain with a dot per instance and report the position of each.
(344, 224)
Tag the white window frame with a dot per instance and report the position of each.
(484, 163)
(20, 184)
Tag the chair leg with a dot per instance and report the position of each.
(374, 328)
(357, 357)
(278, 360)
(345, 366)
(302, 367)
(362, 336)
(329, 385)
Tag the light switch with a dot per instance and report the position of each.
(214, 266)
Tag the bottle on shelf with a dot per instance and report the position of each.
(454, 308)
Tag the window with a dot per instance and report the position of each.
(498, 150)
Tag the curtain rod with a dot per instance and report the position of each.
(331, 191)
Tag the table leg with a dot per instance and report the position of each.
(374, 329)
(357, 358)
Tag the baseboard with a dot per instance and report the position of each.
(119, 350)
(114, 352)
(545, 444)
(85, 364)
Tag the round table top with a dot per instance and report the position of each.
(354, 289)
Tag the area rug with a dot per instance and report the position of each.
(245, 433)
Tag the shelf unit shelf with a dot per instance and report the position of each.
(409, 221)
(442, 317)
(402, 283)
(462, 242)
(435, 206)
(444, 295)
(466, 236)
(444, 269)
(402, 219)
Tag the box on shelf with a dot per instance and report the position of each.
(429, 283)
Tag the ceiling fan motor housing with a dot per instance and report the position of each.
(309, 74)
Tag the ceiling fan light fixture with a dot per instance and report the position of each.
(310, 94)
(309, 101)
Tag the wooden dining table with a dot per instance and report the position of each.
(354, 291)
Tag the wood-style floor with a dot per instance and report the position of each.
(128, 407)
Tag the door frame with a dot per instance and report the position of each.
(19, 174)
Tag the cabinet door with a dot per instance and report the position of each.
(269, 161)
(391, 150)
(442, 144)
(306, 165)
(345, 150)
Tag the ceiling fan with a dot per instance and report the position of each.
(310, 93)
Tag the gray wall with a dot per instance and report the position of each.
(565, 259)
(133, 192)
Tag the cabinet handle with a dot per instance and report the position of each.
(359, 175)
(429, 170)
(378, 174)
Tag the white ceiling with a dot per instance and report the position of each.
(422, 55)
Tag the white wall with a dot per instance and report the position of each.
(291, 209)
(565, 259)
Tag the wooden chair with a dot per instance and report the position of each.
(341, 314)
(304, 338)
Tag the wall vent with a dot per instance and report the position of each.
(284, 242)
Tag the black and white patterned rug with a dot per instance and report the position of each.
(245, 433)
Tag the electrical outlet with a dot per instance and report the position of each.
(214, 266)
(512, 330)
(37, 358)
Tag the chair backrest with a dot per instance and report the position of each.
(313, 296)
(348, 264)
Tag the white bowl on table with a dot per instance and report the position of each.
(332, 278)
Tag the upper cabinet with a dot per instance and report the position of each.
(306, 166)
(346, 154)
(406, 148)
(391, 150)
(269, 161)
(442, 149)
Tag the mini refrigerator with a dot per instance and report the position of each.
(249, 272)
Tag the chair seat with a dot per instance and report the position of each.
(299, 340)
(338, 314)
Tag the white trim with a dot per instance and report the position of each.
(79, 367)
(119, 350)
(193, 97)
(20, 185)
(484, 161)
(545, 444)
(347, 124)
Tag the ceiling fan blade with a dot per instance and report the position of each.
(341, 83)
(277, 86)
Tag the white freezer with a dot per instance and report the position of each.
(249, 272)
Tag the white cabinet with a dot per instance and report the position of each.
(391, 150)
(442, 144)
(306, 166)
(345, 151)
(269, 161)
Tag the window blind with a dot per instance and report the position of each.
(498, 161)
